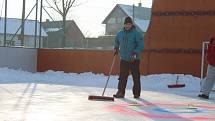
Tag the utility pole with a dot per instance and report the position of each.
(35, 35)
(23, 24)
(41, 13)
(5, 24)
(133, 12)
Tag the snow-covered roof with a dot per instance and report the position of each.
(13, 24)
(53, 29)
(142, 15)
(55, 26)
(139, 12)
(142, 24)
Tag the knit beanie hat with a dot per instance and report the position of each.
(128, 20)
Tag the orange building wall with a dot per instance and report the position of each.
(183, 4)
(175, 63)
(177, 31)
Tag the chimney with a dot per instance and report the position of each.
(47, 20)
(140, 4)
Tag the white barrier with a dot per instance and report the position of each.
(19, 58)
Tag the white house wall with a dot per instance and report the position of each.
(115, 23)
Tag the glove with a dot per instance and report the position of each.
(133, 57)
(116, 51)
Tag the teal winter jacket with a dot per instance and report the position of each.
(129, 42)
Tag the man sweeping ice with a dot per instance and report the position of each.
(129, 44)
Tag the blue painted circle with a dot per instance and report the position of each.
(178, 110)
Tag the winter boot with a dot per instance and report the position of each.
(119, 95)
(136, 96)
(203, 96)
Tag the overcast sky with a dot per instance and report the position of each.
(89, 15)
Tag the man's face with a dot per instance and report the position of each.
(128, 26)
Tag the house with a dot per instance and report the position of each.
(114, 21)
(74, 36)
(13, 24)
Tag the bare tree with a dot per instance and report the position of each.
(62, 7)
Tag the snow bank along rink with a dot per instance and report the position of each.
(59, 96)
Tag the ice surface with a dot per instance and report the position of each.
(58, 96)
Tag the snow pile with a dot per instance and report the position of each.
(157, 82)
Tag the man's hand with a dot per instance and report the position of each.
(133, 57)
(116, 51)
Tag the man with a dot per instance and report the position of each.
(129, 43)
(210, 78)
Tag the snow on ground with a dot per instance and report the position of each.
(152, 82)
(59, 96)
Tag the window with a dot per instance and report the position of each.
(119, 20)
(112, 21)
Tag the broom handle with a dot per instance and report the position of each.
(111, 68)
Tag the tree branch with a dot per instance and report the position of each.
(66, 6)
(56, 5)
(69, 5)
(50, 6)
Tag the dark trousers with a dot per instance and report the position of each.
(125, 67)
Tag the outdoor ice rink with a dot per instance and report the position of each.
(54, 54)
(67, 99)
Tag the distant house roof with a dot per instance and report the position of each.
(54, 26)
(142, 24)
(139, 12)
(142, 15)
(13, 25)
